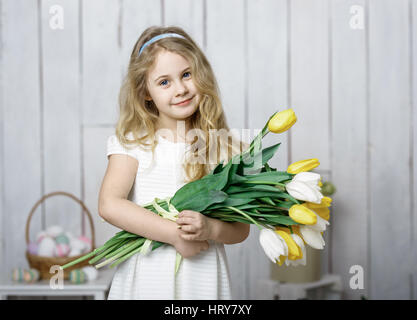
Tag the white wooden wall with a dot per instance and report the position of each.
(353, 88)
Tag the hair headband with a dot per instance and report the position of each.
(158, 37)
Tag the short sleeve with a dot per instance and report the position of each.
(115, 147)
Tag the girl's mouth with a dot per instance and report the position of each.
(184, 103)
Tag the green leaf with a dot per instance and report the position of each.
(208, 183)
(229, 202)
(200, 201)
(236, 188)
(218, 168)
(257, 161)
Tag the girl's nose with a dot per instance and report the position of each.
(181, 88)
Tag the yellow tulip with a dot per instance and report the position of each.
(287, 230)
(324, 212)
(301, 214)
(281, 260)
(292, 246)
(282, 121)
(303, 165)
(325, 202)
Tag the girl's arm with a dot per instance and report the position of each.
(228, 232)
(125, 214)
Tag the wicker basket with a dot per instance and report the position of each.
(43, 264)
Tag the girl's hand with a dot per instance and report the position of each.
(188, 248)
(194, 225)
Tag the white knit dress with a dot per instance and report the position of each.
(203, 276)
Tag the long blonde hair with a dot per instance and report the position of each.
(137, 115)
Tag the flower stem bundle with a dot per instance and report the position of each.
(247, 190)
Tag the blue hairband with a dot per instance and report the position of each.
(156, 38)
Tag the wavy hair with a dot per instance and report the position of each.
(139, 116)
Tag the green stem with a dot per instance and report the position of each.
(87, 256)
(265, 182)
(246, 216)
(126, 257)
(128, 248)
(106, 252)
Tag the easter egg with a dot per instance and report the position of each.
(54, 231)
(69, 235)
(87, 243)
(77, 276)
(77, 244)
(40, 235)
(91, 272)
(61, 250)
(31, 275)
(46, 247)
(62, 238)
(74, 252)
(33, 248)
(17, 274)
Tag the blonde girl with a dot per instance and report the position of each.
(169, 109)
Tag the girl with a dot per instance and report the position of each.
(169, 103)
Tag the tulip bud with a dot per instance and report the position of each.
(303, 165)
(323, 213)
(282, 121)
(302, 214)
(312, 237)
(292, 246)
(328, 188)
(325, 202)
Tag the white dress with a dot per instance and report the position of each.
(203, 276)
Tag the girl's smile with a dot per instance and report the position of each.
(184, 102)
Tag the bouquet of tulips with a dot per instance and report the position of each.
(288, 207)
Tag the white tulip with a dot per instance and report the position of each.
(273, 244)
(310, 178)
(320, 225)
(312, 237)
(303, 191)
(301, 261)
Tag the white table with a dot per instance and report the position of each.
(97, 288)
(329, 287)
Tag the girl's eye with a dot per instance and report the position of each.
(164, 81)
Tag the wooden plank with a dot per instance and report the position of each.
(309, 81)
(349, 131)
(95, 164)
(21, 118)
(389, 137)
(267, 92)
(186, 14)
(137, 15)
(413, 57)
(101, 60)
(61, 112)
(2, 110)
(225, 52)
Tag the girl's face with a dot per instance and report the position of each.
(170, 83)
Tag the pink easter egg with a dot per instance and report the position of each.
(40, 236)
(61, 250)
(86, 241)
(33, 248)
